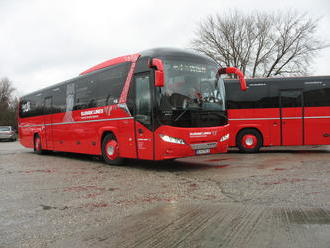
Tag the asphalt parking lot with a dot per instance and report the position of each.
(277, 198)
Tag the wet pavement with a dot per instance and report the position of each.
(277, 198)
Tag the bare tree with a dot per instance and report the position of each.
(6, 90)
(8, 103)
(260, 44)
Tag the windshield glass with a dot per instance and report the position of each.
(4, 129)
(192, 85)
(193, 95)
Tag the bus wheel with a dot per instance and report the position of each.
(37, 144)
(249, 140)
(110, 150)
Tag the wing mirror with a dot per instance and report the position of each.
(234, 70)
(159, 72)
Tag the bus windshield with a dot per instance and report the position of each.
(192, 88)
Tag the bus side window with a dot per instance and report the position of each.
(143, 99)
(317, 95)
(131, 99)
(102, 88)
(70, 91)
(109, 85)
(59, 97)
(33, 105)
(291, 98)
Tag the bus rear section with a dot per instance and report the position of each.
(279, 112)
(158, 104)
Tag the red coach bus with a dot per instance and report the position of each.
(279, 112)
(158, 104)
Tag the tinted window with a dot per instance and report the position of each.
(83, 93)
(258, 95)
(98, 89)
(143, 99)
(48, 105)
(32, 105)
(317, 93)
(291, 98)
(59, 95)
(102, 88)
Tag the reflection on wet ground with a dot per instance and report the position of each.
(221, 225)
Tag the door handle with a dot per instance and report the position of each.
(140, 131)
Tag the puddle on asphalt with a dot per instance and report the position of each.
(46, 207)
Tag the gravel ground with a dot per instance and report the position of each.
(279, 197)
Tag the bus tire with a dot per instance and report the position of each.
(110, 150)
(249, 140)
(37, 146)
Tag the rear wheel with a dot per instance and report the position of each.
(37, 145)
(110, 150)
(249, 140)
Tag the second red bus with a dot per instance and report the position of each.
(291, 111)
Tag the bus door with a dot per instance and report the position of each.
(143, 116)
(291, 115)
(48, 105)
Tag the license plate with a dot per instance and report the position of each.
(203, 151)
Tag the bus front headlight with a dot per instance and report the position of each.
(224, 138)
(170, 139)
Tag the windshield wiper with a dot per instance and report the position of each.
(186, 109)
(177, 118)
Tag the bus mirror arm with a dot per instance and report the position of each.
(238, 72)
(159, 72)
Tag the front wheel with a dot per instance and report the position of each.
(110, 150)
(249, 140)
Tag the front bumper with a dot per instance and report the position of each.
(197, 141)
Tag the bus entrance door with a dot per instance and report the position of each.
(143, 117)
(48, 103)
(291, 114)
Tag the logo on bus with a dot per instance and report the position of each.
(92, 112)
(202, 134)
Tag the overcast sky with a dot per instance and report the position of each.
(44, 42)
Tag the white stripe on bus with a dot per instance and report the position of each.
(76, 122)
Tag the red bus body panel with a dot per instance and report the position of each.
(79, 133)
(300, 126)
(292, 126)
(267, 121)
(74, 132)
(317, 125)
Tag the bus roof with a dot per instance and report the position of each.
(128, 58)
(156, 52)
